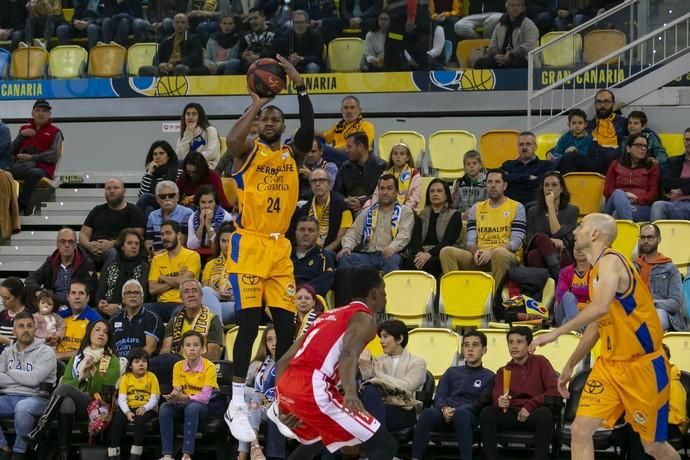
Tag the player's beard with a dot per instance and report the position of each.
(270, 139)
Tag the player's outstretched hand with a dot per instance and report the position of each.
(290, 420)
(258, 100)
(290, 70)
(353, 404)
(541, 340)
(563, 379)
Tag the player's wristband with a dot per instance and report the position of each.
(301, 90)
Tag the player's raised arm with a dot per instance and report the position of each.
(304, 137)
(238, 144)
(360, 329)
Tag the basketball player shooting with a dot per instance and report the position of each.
(258, 259)
(631, 375)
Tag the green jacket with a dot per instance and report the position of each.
(95, 383)
(654, 147)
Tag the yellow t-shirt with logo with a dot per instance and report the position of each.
(75, 329)
(337, 136)
(139, 390)
(192, 381)
(163, 265)
(494, 225)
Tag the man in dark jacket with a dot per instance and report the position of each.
(525, 173)
(67, 262)
(182, 53)
(87, 21)
(259, 43)
(358, 176)
(313, 264)
(675, 182)
(302, 46)
(12, 21)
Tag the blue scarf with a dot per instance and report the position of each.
(218, 215)
(372, 217)
(265, 381)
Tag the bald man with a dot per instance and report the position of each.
(631, 375)
(105, 222)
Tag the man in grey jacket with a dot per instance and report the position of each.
(24, 366)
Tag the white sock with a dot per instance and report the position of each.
(137, 450)
(238, 393)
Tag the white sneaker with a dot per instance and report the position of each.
(237, 418)
(273, 415)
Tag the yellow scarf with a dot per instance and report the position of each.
(404, 180)
(201, 324)
(323, 219)
(605, 132)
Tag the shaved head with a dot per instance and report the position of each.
(596, 228)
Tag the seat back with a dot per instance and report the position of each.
(586, 191)
(231, 336)
(548, 293)
(446, 150)
(345, 54)
(412, 139)
(107, 60)
(497, 146)
(565, 53)
(600, 43)
(686, 295)
(679, 344)
(626, 240)
(675, 235)
(5, 59)
(673, 143)
(426, 181)
(438, 347)
(558, 352)
(466, 299)
(577, 385)
(546, 142)
(140, 55)
(67, 61)
(497, 354)
(411, 295)
(28, 63)
(471, 48)
(426, 393)
(375, 347)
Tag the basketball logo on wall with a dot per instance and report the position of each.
(464, 80)
(172, 85)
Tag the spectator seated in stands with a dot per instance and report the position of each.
(167, 195)
(675, 183)
(518, 397)
(44, 15)
(353, 122)
(525, 173)
(35, 153)
(105, 222)
(13, 296)
(135, 326)
(446, 13)
(87, 22)
(576, 141)
(436, 227)
(358, 177)
(195, 173)
(202, 17)
(409, 179)
(92, 371)
(197, 135)
(471, 187)
(217, 292)
(375, 41)
(67, 262)
(302, 45)
(182, 53)
(169, 269)
(496, 231)
(482, 18)
(50, 327)
(77, 317)
(160, 15)
(161, 164)
(572, 290)
(258, 43)
(566, 15)
(25, 366)
(663, 280)
(131, 263)
(608, 129)
(437, 56)
(12, 24)
(458, 399)
(550, 225)
(512, 39)
(222, 52)
(360, 15)
(207, 217)
(5, 147)
(313, 264)
(408, 37)
(390, 381)
(312, 161)
(380, 232)
(308, 308)
(541, 12)
(632, 182)
(125, 17)
(637, 124)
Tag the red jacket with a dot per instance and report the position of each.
(188, 189)
(529, 383)
(643, 182)
(40, 142)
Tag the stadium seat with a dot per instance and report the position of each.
(426, 180)
(223, 144)
(675, 235)
(586, 191)
(412, 139)
(600, 43)
(231, 336)
(29, 63)
(686, 296)
(679, 344)
(438, 347)
(673, 143)
(5, 59)
(107, 60)
(497, 146)
(467, 48)
(446, 150)
(559, 352)
(565, 53)
(545, 143)
(497, 353)
(139, 55)
(411, 295)
(626, 241)
(548, 293)
(466, 299)
(67, 61)
(68, 14)
(375, 347)
(229, 189)
(345, 54)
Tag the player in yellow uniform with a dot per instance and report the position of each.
(631, 376)
(258, 260)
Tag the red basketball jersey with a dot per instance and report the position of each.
(323, 343)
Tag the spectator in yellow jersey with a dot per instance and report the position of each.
(352, 122)
(77, 318)
(217, 293)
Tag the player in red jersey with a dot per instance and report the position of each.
(308, 374)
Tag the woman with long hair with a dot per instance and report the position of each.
(13, 296)
(308, 306)
(217, 293)
(197, 135)
(195, 173)
(206, 219)
(161, 164)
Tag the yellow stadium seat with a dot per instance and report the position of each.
(15, 187)
(626, 241)
(548, 294)
(438, 347)
(411, 295)
(229, 189)
(673, 143)
(467, 48)
(375, 347)
(231, 336)
(425, 186)
(107, 60)
(558, 353)
(546, 142)
(497, 353)
(223, 144)
(497, 146)
(345, 54)
(68, 14)
(466, 299)
(679, 344)
(412, 139)
(565, 53)
(67, 61)
(675, 238)
(446, 150)
(28, 63)
(586, 191)
(139, 55)
(600, 43)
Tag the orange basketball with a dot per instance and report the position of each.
(266, 77)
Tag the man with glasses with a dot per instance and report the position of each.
(167, 197)
(135, 326)
(67, 262)
(675, 182)
(525, 173)
(608, 129)
(302, 45)
(315, 160)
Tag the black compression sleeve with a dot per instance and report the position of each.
(304, 137)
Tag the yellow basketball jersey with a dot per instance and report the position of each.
(267, 189)
(631, 328)
(494, 225)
